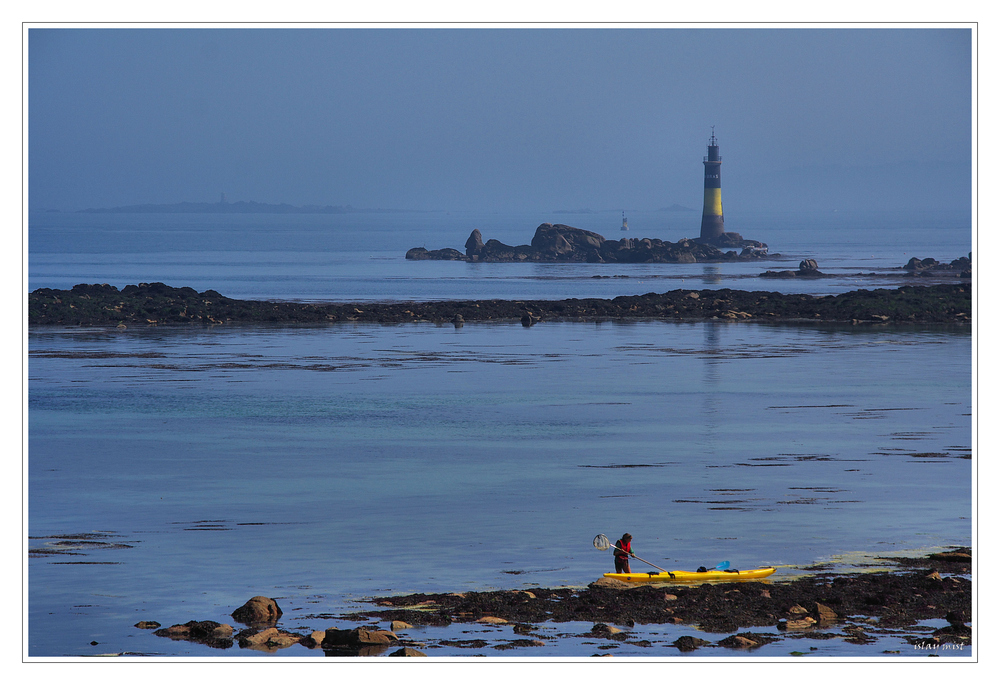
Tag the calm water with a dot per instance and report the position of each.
(357, 257)
(323, 465)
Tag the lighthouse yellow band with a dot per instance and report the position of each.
(713, 202)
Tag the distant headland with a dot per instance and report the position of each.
(240, 207)
(562, 243)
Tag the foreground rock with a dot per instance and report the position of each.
(258, 610)
(562, 243)
(211, 633)
(152, 304)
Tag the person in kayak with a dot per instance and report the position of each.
(623, 550)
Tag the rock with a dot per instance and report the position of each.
(958, 555)
(492, 620)
(268, 640)
(258, 609)
(211, 633)
(359, 637)
(604, 629)
(667, 597)
(397, 626)
(738, 642)
(917, 264)
(797, 610)
(808, 265)
(408, 651)
(803, 623)
(933, 575)
(474, 245)
(687, 643)
(611, 583)
(826, 614)
(147, 625)
(560, 238)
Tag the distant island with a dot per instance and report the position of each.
(240, 207)
(675, 208)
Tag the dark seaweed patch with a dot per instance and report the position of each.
(624, 466)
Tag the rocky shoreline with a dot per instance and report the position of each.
(155, 304)
(857, 608)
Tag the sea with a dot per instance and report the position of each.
(175, 472)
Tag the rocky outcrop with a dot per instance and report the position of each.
(447, 254)
(210, 633)
(808, 268)
(961, 267)
(562, 243)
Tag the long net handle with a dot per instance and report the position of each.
(602, 543)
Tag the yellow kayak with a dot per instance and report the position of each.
(691, 576)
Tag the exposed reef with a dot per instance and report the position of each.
(962, 267)
(150, 304)
(562, 243)
(898, 600)
(855, 608)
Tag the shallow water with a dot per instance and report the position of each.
(323, 465)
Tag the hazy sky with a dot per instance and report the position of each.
(533, 119)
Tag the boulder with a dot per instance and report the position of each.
(558, 239)
(397, 626)
(211, 633)
(258, 609)
(687, 643)
(803, 623)
(917, 264)
(492, 620)
(604, 629)
(147, 625)
(270, 639)
(808, 265)
(738, 642)
(826, 614)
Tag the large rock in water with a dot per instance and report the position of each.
(258, 610)
(474, 245)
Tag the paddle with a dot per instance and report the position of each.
(602, 543)
(721, 567)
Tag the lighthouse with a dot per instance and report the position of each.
(711, 216)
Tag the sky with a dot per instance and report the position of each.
(500, 119)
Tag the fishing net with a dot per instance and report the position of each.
(602, 543)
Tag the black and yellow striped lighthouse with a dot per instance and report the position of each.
(712, 225)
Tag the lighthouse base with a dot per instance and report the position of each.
(711, 227)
